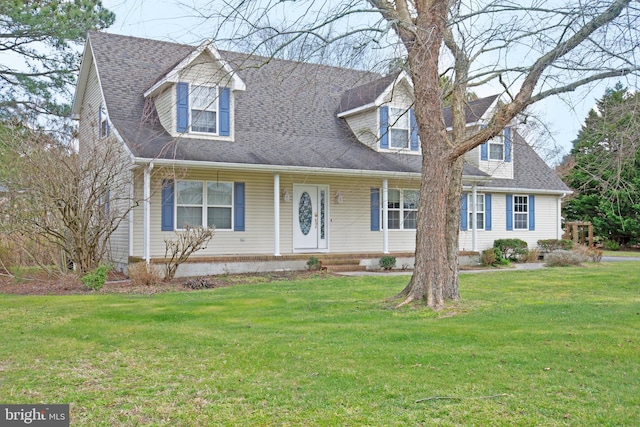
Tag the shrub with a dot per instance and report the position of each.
(199, 283)
(550, 245)
(313, 264)
(591, 254)
(187, 242)
(387, 262)
(511, 249)
(533, 255)
(142, 274)
(562, 258)
(611, 245)
(489, 257)
(95, 279)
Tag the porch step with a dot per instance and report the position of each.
(342, 264)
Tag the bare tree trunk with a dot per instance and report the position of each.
(432, 273)
(451, 291)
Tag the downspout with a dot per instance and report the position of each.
(474, 218)
(131, 223)
(147, 213)
(385, 216)
(560, 230)
(276, 214)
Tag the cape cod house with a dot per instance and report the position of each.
(287, 160)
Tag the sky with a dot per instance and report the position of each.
(174, 20)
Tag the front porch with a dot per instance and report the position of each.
(235, 264)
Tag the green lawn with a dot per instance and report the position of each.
(551, 347)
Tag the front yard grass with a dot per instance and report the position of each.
(550, 347)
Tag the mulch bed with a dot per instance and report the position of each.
(68, 284)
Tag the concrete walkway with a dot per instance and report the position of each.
(516, 266)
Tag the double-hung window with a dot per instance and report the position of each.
(402, 209)
(207, 204)
(399, 127)
(520, 212)
(480, 210)
(219, 205)
(496, 148)
(204, 109)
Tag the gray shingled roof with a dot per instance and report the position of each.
(366, 93)
(473, 111)
(286, 117)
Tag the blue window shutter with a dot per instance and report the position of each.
(225, 111)
(238, 206)
(183, 107)
(532, 213)
(384, 127)
(487, 212)
(414, 144)
(509, 212)
(167, 205)
(464, 212)
(507, 144)
(375, 209)
(484, 151)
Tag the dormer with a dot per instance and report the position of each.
(196, 98)
(494, 157)
(380, 114)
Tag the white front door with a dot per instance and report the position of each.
(310, 214)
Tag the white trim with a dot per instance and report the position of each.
(512, 190)
(173, 75)
(403, 76)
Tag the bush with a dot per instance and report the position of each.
(313, 264)
(562, 258)
(550, 245)
(200, 283)
(591, 254)
(511, 249)
(142, 274)
(611, 245)
(95, 279)
(387, 262)
(533, 255)
(489, 257)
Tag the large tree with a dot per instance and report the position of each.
(530, 50)
(38, 52)
(604, 167)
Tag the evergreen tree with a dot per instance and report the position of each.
(605, 168)
(38, 58)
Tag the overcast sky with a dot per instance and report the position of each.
(173, 20)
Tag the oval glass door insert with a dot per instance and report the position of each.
(305, 213)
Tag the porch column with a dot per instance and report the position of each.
(276, 214)
(474, 218)
(385, 216)
(147, 213)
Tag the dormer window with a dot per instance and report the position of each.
(204, 109)
(399, 127)
(496, 148)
